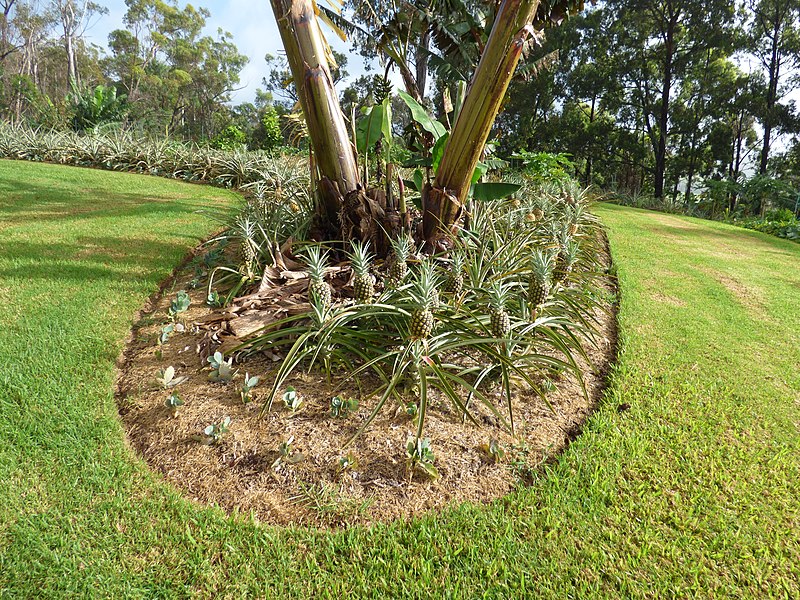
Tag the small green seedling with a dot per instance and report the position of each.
(166, 331)
(420, 456)
(547, 385)
(214, 432)
(166, 378)
(347, 463)
(495, 451)
(285, 454)
(222, 370)
(180, 304)
(214, 300)
(173, 403)
(411, 409)
(247, 387)
(291, 399)
(342, 407)
(285, 448)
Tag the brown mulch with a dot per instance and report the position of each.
(246, 472)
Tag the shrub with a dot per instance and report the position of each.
(780, 223)
(546, 166)
(267, 136)
(92, 108)
(230, 138)
(762, 192)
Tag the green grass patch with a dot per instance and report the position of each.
(694, 490)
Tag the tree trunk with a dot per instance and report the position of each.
(663, 117)
(692, 164)
(590, 155)
(443, 201)
(307, 58)
(421, 62)
(72, 71)
(772, 94)
(5, 48)
(345, 211)
(409, 82)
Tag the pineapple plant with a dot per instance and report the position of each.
(566, 259)
(248, 249)
(402, 247)
(363, 284)
(454, 283)
(499, 320)
(425, 295)
(540, 279)
(576, 215)
(319, 291)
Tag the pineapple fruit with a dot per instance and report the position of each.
(454, 283)
(427, 298)
(540, 279)
(422, 323)
(402, 247)
(319, 291)
(363, 284)
(499, 320)
(248, 250)
(576, 216)
(566, 259)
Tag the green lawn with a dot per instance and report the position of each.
(693, 491)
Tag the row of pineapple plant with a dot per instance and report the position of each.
(279, 204)
(124, 151)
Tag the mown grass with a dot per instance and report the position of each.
(694, 490)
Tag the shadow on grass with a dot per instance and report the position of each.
(88, 258)
(80, 200)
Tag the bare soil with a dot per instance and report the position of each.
(245, 470)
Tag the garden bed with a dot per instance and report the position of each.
(251, 469)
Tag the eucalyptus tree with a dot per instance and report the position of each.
(703, 110)
(6, 45)
(774, 39)
(175, 77)
(657, 41)
(75, 17)
(589, 72)
(29, 29)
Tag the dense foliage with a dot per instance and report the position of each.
(780, 223)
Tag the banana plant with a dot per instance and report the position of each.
(478, 190)
(346, 207)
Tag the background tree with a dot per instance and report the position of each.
(176, 79)
(774, 39)
(658, 41)
(74, 17)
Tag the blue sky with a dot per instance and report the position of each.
(252, 26)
